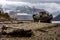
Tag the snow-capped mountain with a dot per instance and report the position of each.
(25, 9)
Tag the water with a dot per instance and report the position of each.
(55, 21)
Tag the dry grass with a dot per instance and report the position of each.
(42, 31)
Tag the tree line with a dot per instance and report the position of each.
(6, 16)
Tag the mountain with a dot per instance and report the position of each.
(29, 10)
(57, 18)
(22, 9)
(9, 7)
(56, 13)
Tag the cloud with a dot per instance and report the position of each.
(4, 2)
(8, 4)
(36, 1)
(51, 7)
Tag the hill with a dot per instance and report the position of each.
(57, 18)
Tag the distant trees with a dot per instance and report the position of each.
(2, 14)
(6, 15)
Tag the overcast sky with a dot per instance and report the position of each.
(36, 1)
(31, 1)
(49, 5)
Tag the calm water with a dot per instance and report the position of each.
(55, 21)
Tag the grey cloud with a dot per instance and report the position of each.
(37, 1)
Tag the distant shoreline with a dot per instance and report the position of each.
(17, 22)
(55, 21)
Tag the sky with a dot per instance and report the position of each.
(36, 1)
(30, 1)
(49, 5)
